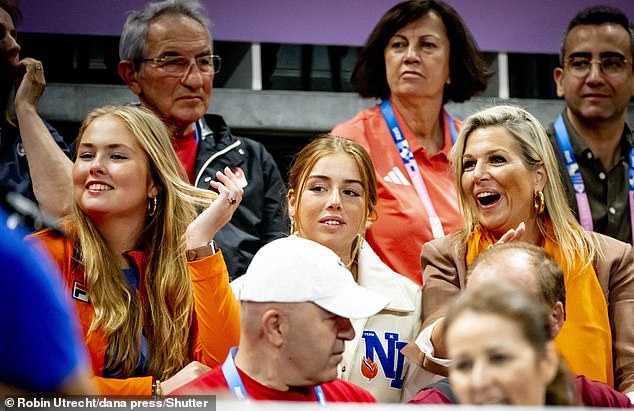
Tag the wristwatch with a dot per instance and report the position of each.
(201, 252)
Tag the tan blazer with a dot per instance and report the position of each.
(444, 275)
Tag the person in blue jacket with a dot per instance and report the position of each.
(40, 345)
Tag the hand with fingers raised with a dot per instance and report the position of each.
(202, 230)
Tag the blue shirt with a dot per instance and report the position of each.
(40, 341)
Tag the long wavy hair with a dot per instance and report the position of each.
(325, 145)
(535, 149)
(165, 311)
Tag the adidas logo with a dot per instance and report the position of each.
(395, 176)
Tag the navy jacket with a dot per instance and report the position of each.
(261, 216)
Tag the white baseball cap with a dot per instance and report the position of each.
(293, 269)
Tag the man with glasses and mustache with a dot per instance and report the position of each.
(594, 143)
(166, 59)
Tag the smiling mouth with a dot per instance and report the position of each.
(332, 222)
(486, 199)
(98, 187)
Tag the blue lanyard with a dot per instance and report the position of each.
(196, 133)
(452, 127)
(411, 166)
(233, 378)
(585, 215)
(237, 387)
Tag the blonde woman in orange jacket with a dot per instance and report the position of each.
(151, 290)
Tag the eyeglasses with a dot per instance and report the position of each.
(209, 63)
(612, 66)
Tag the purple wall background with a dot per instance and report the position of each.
(532, 26)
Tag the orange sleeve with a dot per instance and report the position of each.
(217, 310)
(127, 386)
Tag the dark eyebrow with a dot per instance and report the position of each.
(347, 181)
(582, 54)
(601, 55)
(612, 54)
(176, 54)
(170, 54)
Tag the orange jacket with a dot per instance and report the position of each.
(216, 319)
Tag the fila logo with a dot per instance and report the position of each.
(395, 176)
(79, 291)
(389, 356)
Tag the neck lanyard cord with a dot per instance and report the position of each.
(583, 205)
(237, 387)
(412, 167)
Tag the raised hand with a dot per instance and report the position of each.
(32, 84)
(201, 231)
(514, 234)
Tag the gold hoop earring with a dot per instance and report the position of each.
(152, 206)
(538, 202)
(356, 248)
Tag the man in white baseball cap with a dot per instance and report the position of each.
(296, 301)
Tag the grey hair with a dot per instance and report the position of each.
(132, 46)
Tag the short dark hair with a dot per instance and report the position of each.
(467, 66)
(596, 16)
(12, 9)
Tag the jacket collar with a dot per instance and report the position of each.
(138, 257)
(378, 277)
(213, 126)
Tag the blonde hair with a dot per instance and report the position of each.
(168, 313)
(535, 149)
(325, 145)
